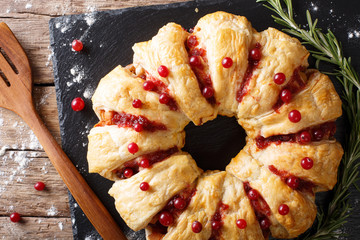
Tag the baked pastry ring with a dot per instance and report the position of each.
(223, 66)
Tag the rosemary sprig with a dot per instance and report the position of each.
(328, 49)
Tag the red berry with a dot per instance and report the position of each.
(195, 61)
(279, 78)
(144, 186)
(305, 137)
(285, 95)
(227, 62)
(166, 219)
(307, 163)
(145, 163)
(216, 225)
(148, 85)
(255, 54)
(133, 148)
(179, 203)
(208, 92)
(39, 186)
(318, 134)
(192, 41)
(137, 103)
(294, 116)
(77, 104)
(163, 71)
(196, 227)
(138, 127)
(293, 182)
(265, 223)
(128, 172)
(15, 217)
(164, 98)
(77, 45)
(241, 223)
(283, 209)
(253, 194)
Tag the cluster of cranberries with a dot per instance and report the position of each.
(166, 218)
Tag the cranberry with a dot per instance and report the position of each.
(208, 92)
(179, 203)
(216, 225)
(144, 186)
(15, 217)
(192, 41)
(285, 95)
(137, 103)
(128, 172)
(163, 71)
(294, 116)
(195, 61)
(145, 163)
(39, 186)
(318, 134)
(283, 209)
(196, 227)
(293, 182)
(279, 78)
(77, 45)
(166, 219)
(138, 127)
(265, 223)
(255, 54)
(148, 85)
(133, 148)
(307, 163)
(227, 62)
(77, 104)
(253, 194)
(305, 137)
(241, 223)
(164, 98)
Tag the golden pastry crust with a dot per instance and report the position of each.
(287, 156)
(234, 34)
(119, 88)
(107, 148)
(279, 53)
(276, 192)
(318, 103)
(168, 48)
(166, 179)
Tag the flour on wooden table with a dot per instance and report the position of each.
(52, 211)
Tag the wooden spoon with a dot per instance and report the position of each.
(15, 95)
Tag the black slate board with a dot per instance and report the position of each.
(108, 37)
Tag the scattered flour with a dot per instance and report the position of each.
(52, 211)
(354, 33)
(28, 6)
(61, 226)
(314, 7)
(77, 73)
(88, 93)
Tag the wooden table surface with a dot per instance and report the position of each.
(45, 214)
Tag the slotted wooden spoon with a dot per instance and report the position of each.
(16, 95)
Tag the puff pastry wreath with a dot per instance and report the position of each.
(223, 66)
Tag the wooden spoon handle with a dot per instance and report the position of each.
(83, 194)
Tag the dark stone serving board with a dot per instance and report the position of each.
(108, 37)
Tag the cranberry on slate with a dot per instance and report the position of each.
(284, 209)
(39, 186)
(241, 223)
(163, 71)
(137, 103)
(77, 45)
(144, 186)
(227, 62)
(166, 219)
(77, 104)
(196, 227)
(279, 78)
(307, 163)
(294, 116)
(133, 148)
(293, 182)
(15, 217)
